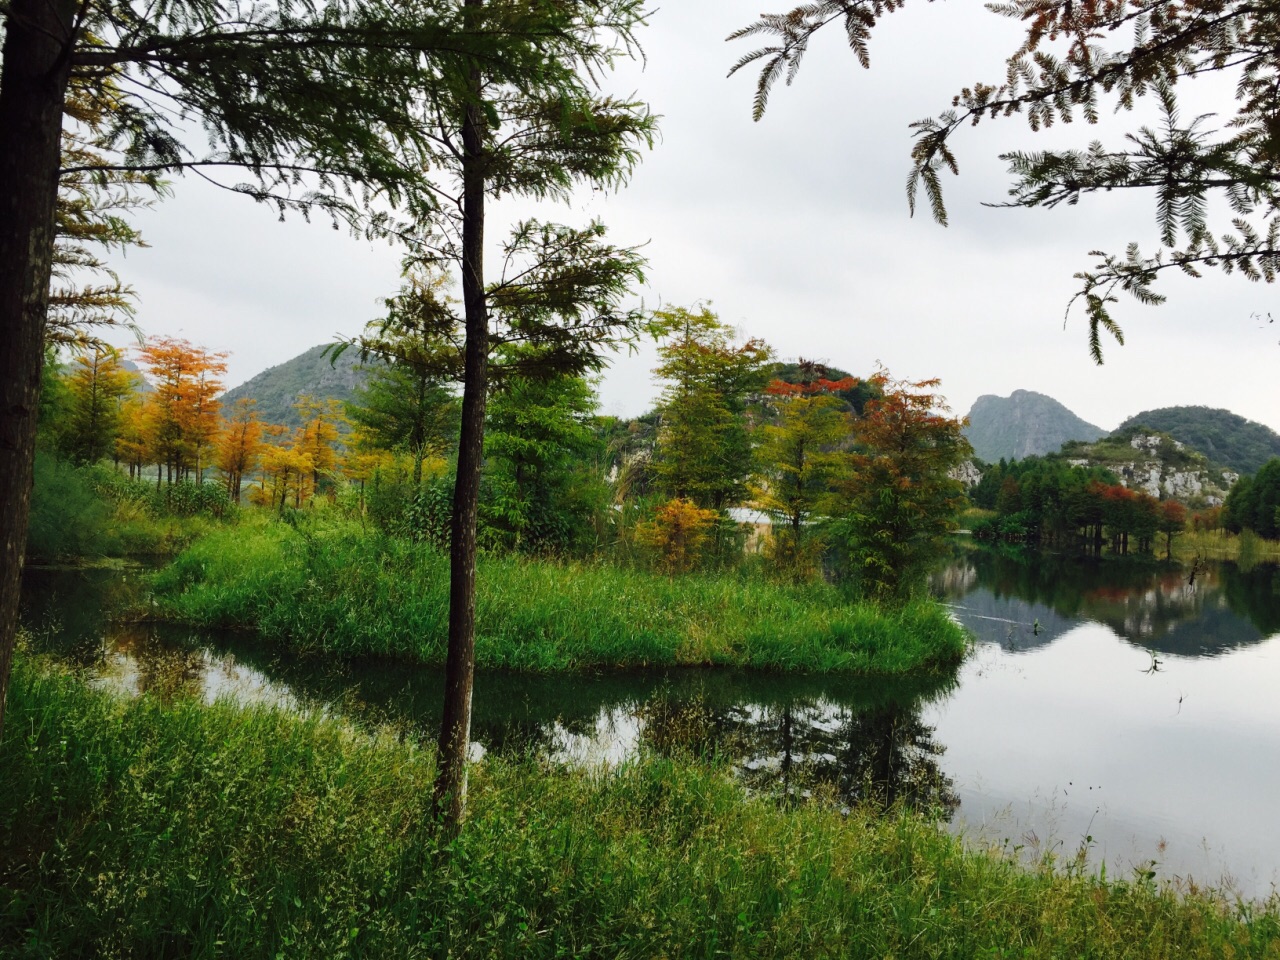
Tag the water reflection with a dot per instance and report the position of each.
(857, 740)
(1021, 601)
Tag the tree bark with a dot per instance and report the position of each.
(33, 87)
(450, 798)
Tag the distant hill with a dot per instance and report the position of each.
(1156, 463)
(1224, 437)
(1024, 424)
(277, 388)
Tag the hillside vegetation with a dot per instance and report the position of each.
(278, 388)
(1224, 437)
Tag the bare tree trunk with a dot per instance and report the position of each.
(450, 798)
(33, 86)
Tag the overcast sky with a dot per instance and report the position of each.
(796, 229)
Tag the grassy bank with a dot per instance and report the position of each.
(335, 588)
(1244, 548)
(131, 829)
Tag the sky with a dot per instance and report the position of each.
(795, 229)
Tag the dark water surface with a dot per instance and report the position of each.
(1108, 708)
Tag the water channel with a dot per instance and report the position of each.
(1126, 713)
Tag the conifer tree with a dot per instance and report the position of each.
(405, 405)
(537, 434)
(799, 456)
(1075, 56)
(897, 499)
(239, 445)
(97, 387)
(559, 289)
(704, 451)
(314, 104)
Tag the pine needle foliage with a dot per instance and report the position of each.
(1070, 61)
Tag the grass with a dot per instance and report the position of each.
(86, 514)
(1246, 547)
(128, 829)
(331, 587)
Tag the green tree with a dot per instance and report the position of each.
(97, 386)
(406, 405)
(799, 455)
(1254, 503)
(559, 289)
(316, 102)
(1073, 55)
(898, 499)
(543, 490)
(704, 451)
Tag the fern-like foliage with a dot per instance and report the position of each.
(1067, 64)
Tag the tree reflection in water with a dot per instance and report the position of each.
(880, 754)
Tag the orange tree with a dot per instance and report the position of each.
(182, 410)
(239, 445)
(1172, 521)
(897, 501)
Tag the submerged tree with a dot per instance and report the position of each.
(1068, 62)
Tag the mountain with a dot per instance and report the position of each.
(1224, 437)
(277, 388)
(1155, 463)
(1023, 424)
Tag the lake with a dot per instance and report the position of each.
(1120, 716)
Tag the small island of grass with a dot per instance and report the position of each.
(326, 585)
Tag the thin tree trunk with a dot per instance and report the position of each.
(450, 796)
(33, 85)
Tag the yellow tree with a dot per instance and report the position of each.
(239, 445)
(132, 444)
(182, 411)
(318, 437)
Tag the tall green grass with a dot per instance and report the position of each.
(132, 830)
(334, 588)
(93, 512)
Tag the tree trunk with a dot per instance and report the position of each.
(33, 87)
(450, 797)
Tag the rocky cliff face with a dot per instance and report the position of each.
(1159, 465)
(1024, 424)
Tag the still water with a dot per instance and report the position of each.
(1120, 713)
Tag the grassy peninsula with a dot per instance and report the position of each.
(326, 584)
(129, 828)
